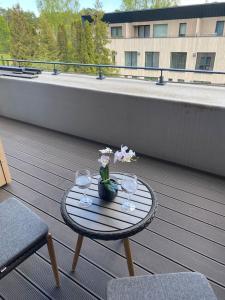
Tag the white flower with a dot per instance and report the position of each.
(128, 156)
(106, 151)
(123, 155)
(124, 149)
(118, 156)
(132, 153)
(104, 160)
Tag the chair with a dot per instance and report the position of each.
(5, 177)
(22, 233)
(174, 286)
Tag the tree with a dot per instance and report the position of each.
(144, 4)
(47, 43)
(4, 35)
(23, 33)
(62, 43)
(100, 33)
(58, 11)
(58, 16)
(164, 3)
(90, 39)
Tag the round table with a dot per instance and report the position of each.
(106, 220)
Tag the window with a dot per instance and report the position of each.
(205, 61)
(142, 31)
(178, 60)
(131, 59)
(160, 30)
(219, 28)
(152, 59)
(182, 29)
(116, 31)
(114, 57)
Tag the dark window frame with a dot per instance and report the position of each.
(209, 58)
(117, 29)
(146, 31)
(132, 58)
(157, 59)
(114, 57)
(163, 24)
(172, 63)
(182, 34)
(217, 27)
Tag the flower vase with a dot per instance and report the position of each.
(107, 190)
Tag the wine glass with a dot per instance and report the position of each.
(129, 185)
(83, 181)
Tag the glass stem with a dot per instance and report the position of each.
(128, 197)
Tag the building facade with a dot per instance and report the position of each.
(185, 37)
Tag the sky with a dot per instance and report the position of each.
(108, 5)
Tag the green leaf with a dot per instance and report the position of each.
(111, 186)
(104, 173)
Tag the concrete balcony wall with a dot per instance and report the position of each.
(185, 133)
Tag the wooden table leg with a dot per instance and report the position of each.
(51, 252)
(128, 256)
(77, 251)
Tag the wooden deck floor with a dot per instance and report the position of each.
(188, 232)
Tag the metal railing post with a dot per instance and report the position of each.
(100, 74)
(55, 71)
(161, 79)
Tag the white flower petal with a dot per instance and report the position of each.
(106, 151)
(118, 156)
(104, 160)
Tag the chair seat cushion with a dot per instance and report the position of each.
(174, 286)
(20, 230)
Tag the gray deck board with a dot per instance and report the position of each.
(188, 232)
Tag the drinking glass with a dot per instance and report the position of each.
(83, 181)
(129, 185)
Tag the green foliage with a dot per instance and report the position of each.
(58, 34)
(164, 3)
(109, 184)
(104, 173)
(144, 4)
(100, 31)
(4, 35)
(47, 49)
(62, 43)
(23, 34)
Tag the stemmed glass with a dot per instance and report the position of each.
(83, 181)
(129, 184)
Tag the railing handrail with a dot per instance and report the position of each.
(111, 66)
(101, 66)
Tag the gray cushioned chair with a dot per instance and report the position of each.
(174, 286)
(22, 233)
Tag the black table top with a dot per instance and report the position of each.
(106, 220)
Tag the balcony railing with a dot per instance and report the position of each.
(101, 67)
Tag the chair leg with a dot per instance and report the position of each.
(77, 251)
(52, 256)
(128, 256)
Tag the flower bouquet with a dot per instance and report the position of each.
(107, 186)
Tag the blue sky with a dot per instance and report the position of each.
(109, 5)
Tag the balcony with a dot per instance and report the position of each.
(188, 231)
